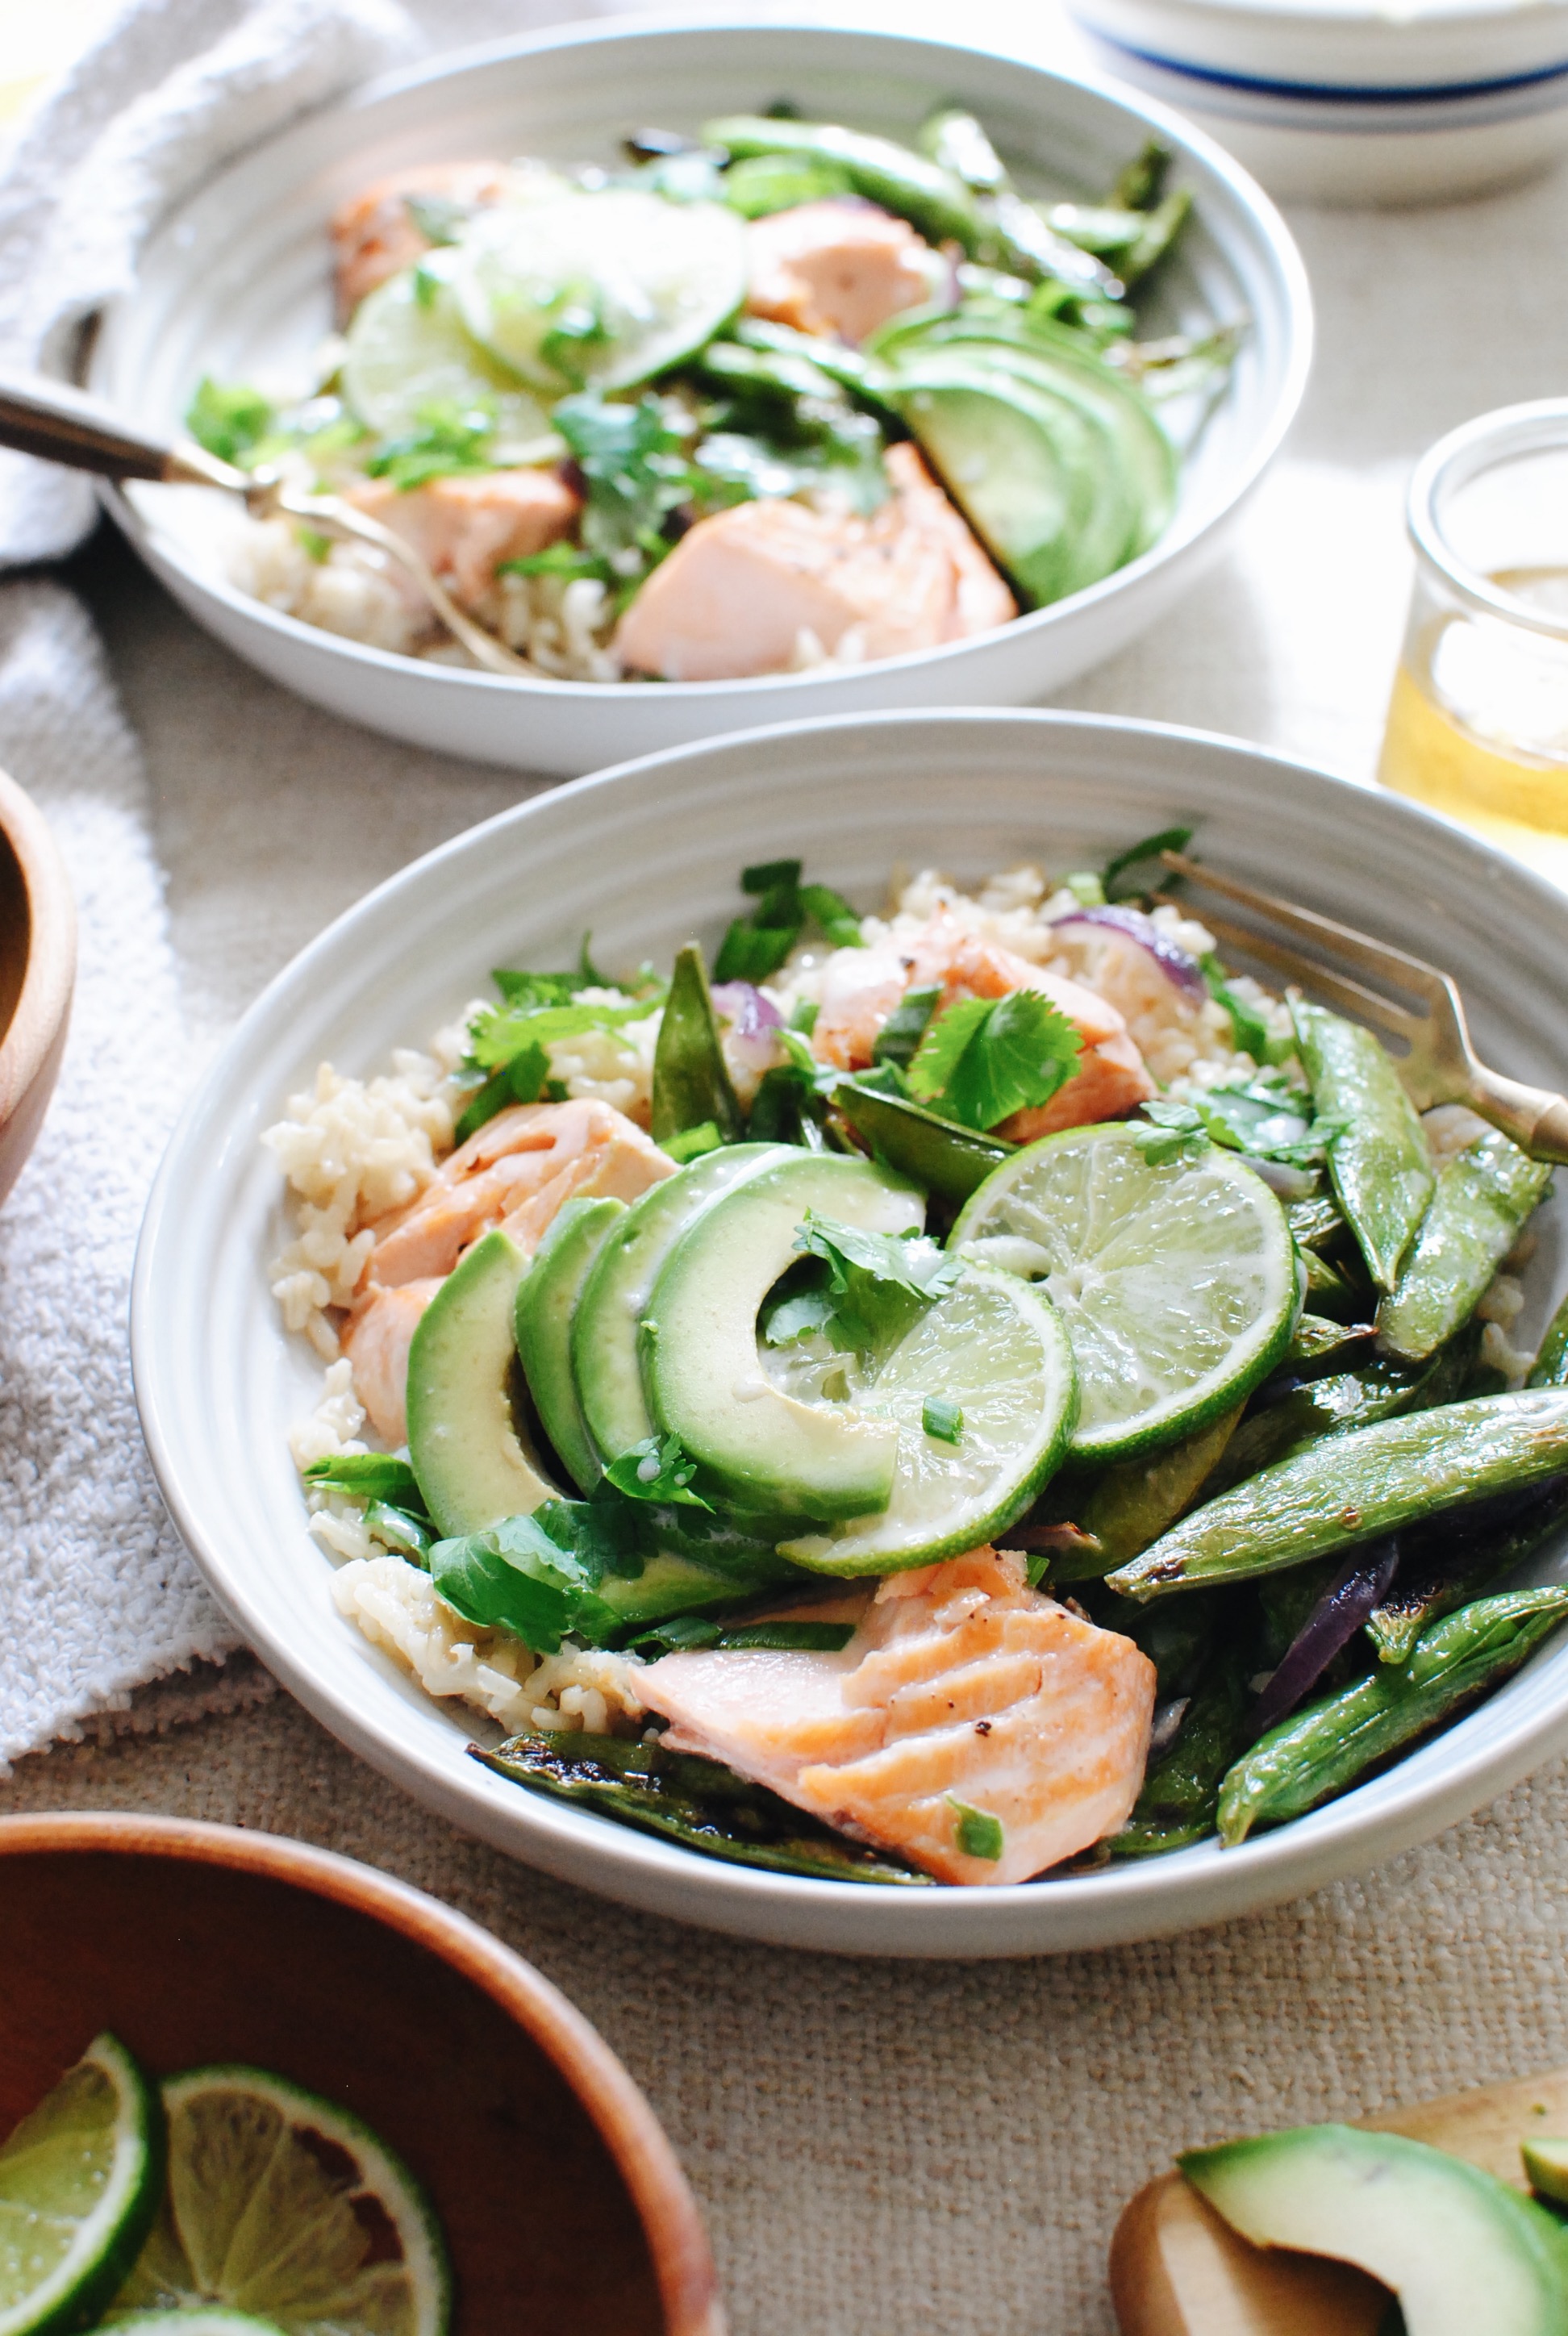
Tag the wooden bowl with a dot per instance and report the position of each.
(201, 1942)
(37, 970)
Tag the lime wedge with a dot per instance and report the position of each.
(286, 2208)
(604, 289)
(1177, 1282)
(408, 352)
(80, 2180)
(984, 1393)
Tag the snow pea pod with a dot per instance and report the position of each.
(1484, 1196)
(1129, 1506)
(691, 1080)
(1319, 1751)
(1454, 1559)
(1550, 1367)
(1335, 1406)
(920, 1143)
(1357, 1487)
(931, 197)
(1380, 1164)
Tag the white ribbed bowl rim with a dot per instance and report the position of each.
(653, 846)
(1359, 52)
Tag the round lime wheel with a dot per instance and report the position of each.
(409, 353)
(1177, 1281)
(202, 2321)
(604, 288)
(988, 1368)
(80, 2181)
(288, 2209)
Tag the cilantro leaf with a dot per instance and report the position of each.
(691, 1143)
(876, 1285)
(1265, 1118)
(1137, 857)
(757, 945)
(797, 1317)
(514, 1577)
(449, 438)
(498, 1035)
(370, 1477)
(230, 421)
(983, 1059)
(898, 1040)
(656, 1469)
(635, 474)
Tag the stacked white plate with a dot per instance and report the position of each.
(1348, 102)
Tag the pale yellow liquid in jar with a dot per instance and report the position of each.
(1478, 726)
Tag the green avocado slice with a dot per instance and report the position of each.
(473, 1464)
(547, 1298)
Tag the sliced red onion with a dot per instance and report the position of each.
(1361, 1584)
(1180, 970)
(747, 1011)
(1167, 1727)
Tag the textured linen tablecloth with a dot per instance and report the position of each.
(885, 2147)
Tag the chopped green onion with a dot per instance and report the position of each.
(978, 1834)
(943, 1420)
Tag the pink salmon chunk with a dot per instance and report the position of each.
(961, 1686)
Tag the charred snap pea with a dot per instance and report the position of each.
(1126, 1507)
(930, 197)
(1381, 1167)
(691, 1082)
(1484, 1196)
(1319, 1752)
(696, 1802)
(1454, 1559)
(1303, 1414)
(1314, 1221)
(945, 1158)
(1356, 1488)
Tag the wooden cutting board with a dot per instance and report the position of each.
(1177, 2270)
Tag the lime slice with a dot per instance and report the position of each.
(201, 2322)
(408, 351)
(80, 2180)
(606, 287)
(1177, 1282)
(990, 1367)
(285, 2207)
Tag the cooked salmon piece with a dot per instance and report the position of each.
(375, 235)
(517, 1172)
(464, 526)
(840, 267)
(376, 1339)
(865, 986)
(747, 589)
(962, 1685)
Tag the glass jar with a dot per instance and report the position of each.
(1478, 726)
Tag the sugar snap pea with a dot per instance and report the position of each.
(946, 1159)
(1453, 1559)
(1484, 1196)
(1379, 1161)
(1334, 1405)
(1550, 1367)
(1126, 1507)
(1314, 1221)
(1355, 1488)
(1321, 1750)
(691, 1082)
(931, 197)
(1179, 1802)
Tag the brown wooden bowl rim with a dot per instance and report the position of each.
(677, 2242)
(50, 969)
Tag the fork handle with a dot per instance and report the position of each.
(62, 425)
(1535, 1118)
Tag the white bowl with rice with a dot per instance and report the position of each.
(647, 856)
(236, 284)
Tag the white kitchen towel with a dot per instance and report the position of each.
(96, 1593)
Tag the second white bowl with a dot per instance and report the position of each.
(236, 283)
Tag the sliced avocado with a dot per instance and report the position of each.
(703, 1379)
(1546, 2164)
(1460, 2249)
(604, 1325)
(473, 1466)
(546, 1297)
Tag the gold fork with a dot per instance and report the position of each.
(1439, 1064)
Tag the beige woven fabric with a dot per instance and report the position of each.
(931, 2149)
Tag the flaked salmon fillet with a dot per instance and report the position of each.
(865, 986)
(840, 267)
(464, 526)
(746, 588)
(375, 235)
(517, 1172)
(961, 1685)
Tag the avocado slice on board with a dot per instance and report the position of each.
(1461, 2250)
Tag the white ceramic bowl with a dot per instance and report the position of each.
(236, 282)
(1348, 102)
(647, 855)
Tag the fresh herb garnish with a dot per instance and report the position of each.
(229, 421)
(978, 1833)
(982, 1059)
(1248, 1027)
(691, 1143)
(875, 1285)
(514, 1577)
(577, 329)
(635, 472)
(943, 1420)
(567, 560)
(439, 218)
(757, 945)
(656, 1469)
(1265, 1118)
(1118, 877)
(449, 439)
(370, 1477)
(684, 1631)
(898, 1039)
